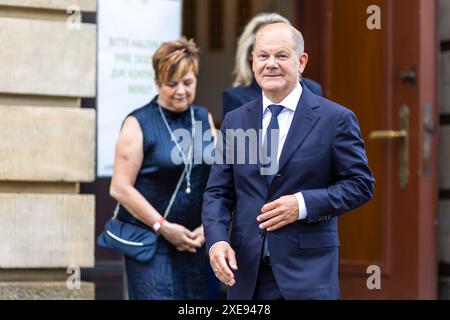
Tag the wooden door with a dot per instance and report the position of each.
(384, 75)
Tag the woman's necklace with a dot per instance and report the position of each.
(187, 163)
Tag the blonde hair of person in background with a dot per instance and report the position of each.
(242, 70)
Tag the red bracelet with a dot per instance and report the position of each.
(158, 224)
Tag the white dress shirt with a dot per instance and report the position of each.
(284, 122)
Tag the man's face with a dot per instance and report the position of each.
(277, 67)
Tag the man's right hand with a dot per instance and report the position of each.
(179, 236)
(223, 262)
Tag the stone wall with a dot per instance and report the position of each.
(444, 161)
(47, 147)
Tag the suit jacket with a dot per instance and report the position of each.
(324, 158)
(233, 98)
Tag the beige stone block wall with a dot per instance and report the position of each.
(47, 147)
(39, 101)
(37, 275)
(45, 291)
(47, 144)
(84, 5)
(46, 231)
(47, 58)
(39, 187)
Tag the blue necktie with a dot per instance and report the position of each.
(273, 125)
(272, 132)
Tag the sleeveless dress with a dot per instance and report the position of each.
(170, 274)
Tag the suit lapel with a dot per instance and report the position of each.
(254, 122)
(303, 122)
(254, 116)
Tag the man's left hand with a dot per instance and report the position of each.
(278, 213)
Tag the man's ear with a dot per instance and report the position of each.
(303, 62)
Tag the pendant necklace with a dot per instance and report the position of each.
(187, 163)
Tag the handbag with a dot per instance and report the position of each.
(130, 239)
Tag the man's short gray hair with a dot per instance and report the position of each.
(299, 42)
(297, 38)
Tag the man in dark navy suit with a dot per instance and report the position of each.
(271, 226)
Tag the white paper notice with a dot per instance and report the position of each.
(129, 32)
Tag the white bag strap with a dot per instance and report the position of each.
(116, 211)
(172, 199)
(174, 194)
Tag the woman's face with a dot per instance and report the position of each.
(178, 94)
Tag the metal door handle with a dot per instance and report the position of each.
(403, 135)
(388, 134)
